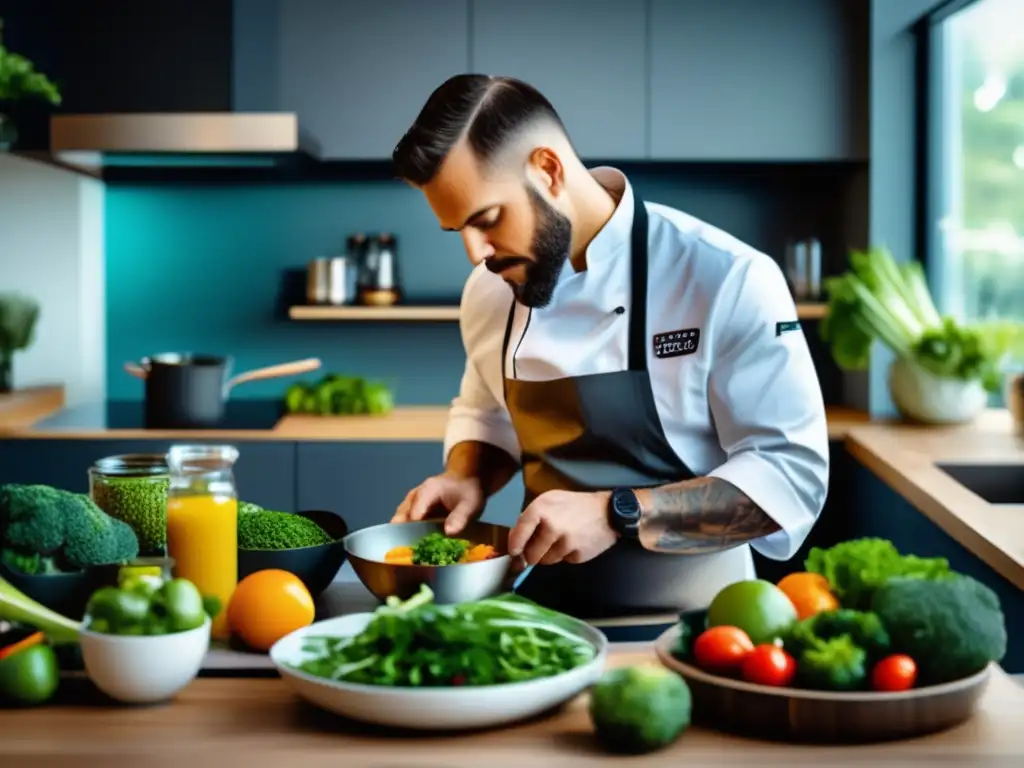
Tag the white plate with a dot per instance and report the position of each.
(430, 708)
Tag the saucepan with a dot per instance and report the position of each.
(190, 391)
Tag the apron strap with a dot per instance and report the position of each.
(508, 336)
(638, 288)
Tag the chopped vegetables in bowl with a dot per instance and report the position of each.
(438, 549)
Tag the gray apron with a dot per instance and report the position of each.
(599, 432)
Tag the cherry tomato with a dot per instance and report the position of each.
(722, 649)
(769, 665)
(894, 673)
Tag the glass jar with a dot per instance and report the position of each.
(133, 487)
(202, 522)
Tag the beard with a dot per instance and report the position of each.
(552, 239)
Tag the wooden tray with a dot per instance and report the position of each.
(799, 715)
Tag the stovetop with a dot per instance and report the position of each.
(129, 414)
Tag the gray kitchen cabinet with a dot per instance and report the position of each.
(264, 472)
(755, 80)
(364, 482)
(357, 74)
(587, 56)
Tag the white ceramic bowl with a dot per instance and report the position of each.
(431, 708)
(144, 669)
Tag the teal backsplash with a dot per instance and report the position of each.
(198, 267)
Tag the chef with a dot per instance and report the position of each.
(644, 370)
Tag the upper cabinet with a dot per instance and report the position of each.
(755, 80)
(357, 74)
(587, 56)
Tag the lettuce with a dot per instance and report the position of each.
(856, 569)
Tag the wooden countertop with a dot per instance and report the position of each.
(22, 408)
(403, 424)
(905, 458)
(260, 722)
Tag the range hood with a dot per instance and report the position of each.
(249, 139)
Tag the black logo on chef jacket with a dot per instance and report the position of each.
(676, 343)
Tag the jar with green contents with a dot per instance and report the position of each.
(133, 488)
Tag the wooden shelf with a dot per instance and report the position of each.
(406, 313)
(808, 311)
(433, 314)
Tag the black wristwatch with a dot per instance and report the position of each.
(624, 513)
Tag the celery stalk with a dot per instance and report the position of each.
(16, 606)
(891, 313)
(922, 297)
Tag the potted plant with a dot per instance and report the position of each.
(19, 80)
(18, 317)
(944, 370)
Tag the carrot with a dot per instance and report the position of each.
(399, 556)
(33, 639)
(478, 552)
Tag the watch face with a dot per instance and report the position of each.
(626, 505)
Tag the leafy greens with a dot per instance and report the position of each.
(418, 643)
(878, 299)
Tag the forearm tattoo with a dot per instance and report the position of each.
(698, 516)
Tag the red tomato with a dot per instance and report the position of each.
(769, 665)
(722, 648)
(894, 673)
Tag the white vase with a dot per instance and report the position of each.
(922, 396)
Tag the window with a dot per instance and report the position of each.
(975, 180)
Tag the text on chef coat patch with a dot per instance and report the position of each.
(790, 325)
(676, 343)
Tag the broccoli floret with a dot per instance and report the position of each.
(952, 628)
(30, 565)
(865, 629)
(63, 526)
(266, 529)
(32, 518)
(95, 538)
(438, 549)
(245, 507)
(836, 665)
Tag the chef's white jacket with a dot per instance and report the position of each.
(745, 406)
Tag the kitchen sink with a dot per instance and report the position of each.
(995, 483)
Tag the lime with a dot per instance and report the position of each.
(29, 676)
(183, 604)
(120, 611)
(756, 606)
(639, 709)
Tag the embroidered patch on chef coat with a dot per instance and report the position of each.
(676, 343)
(791, 325)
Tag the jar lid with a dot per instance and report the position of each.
(133, 465)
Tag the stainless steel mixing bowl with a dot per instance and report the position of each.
(450, 583)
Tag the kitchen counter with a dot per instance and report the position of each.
(260, 722)
(907, 459)
(23, 408)
(403, 424)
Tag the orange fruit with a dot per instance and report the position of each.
(267, 605)
(809, 593)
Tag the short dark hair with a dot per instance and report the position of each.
(488, 110)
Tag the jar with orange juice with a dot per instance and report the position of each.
(202, 522)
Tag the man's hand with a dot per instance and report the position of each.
(461, 497)
(562, 526)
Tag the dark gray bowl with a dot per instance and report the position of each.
(316, 566)
(64, 593)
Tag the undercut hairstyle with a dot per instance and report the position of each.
(489, 111)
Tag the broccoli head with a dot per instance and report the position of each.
(92, 537)
(952, 628)
(32, 517)
(45, 529)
